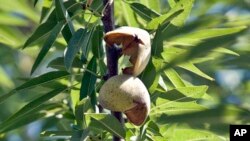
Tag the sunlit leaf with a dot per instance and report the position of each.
(174, 77)
(154, 5)
(66, 135)
(154, 23)
(186, 5)
(128, 14)
(149, 77)
(218, 118)
(192, 134)
(226, 51)
(174, 108)
(143, 11)
(108, 123)
(157, 45)
(192, 68)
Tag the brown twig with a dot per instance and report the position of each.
(111, 51)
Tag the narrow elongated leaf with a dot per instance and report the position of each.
(128, 14)
(157, 45)
(47, 45)
(218, 117)
(187, 6)
(82, 107)
(75, 43)
(40, 112)
(35, 2)
(108, 123)
(45, 9)
(63, 15)
(58, 63)
(192, 68)
(205, 46)
(42, 31)
(194, 134)
(149, 77)
(174, 108)
(197, 37)
(31, 106)
(97, 47)
(87, 42)
(174, 77)
(50, 76)
(47, 77)
(88, 80)
(154, 23)
(184, 93)
(143, 11)
(225, 51)
(154, 5)
(56, 135)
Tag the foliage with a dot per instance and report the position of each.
(189, 44)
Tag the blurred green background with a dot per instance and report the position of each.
(19, 18)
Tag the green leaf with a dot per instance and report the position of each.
(128, 14)
(42, 31)
(193, 134)
(58, 63)
(157, 44)
(82, 107)
(75, 43)
(154, 23)
(97, 47)
(5, 80)
(45, 9)
(218, 118)
(205, 46)
(225, 51)
(87, 42)
(149, 77)
(108, 123)
(165, 107)
(187, 6)
(55, 135)
(88, 80)
(63, 15)
(31, 106)
(47, 45)
(197, 37)
(35, 2)
(154, 5)
(42, 111)
(48, 77)
(143, 11)
(174, 77)
(184, 93)
(192, 68)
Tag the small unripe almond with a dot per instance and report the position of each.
(126, 93)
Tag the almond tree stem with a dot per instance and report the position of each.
(111, 51)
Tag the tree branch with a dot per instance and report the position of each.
(111, 51)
